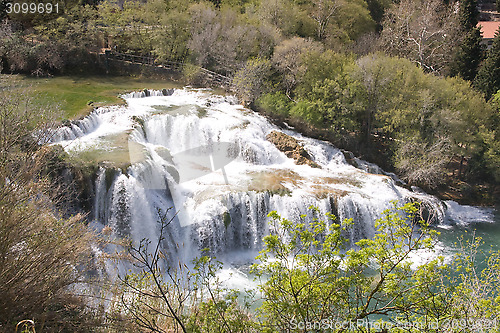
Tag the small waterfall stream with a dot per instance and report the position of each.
(209, 159)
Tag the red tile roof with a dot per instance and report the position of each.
(488, 28)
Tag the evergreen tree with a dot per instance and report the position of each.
(469, 53)
(468, 14)
(488, 77)
(468, 56)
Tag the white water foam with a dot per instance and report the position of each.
(463, 214)
(225, 210)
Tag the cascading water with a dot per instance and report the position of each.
(228, 183)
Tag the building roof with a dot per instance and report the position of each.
(488, 28)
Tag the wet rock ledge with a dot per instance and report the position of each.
(291, 147)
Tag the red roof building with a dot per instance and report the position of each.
(488, 31)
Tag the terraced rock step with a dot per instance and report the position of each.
(292, 148)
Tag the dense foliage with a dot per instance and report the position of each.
(314, 276)
(426, 120)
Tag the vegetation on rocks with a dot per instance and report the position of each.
(291, 147)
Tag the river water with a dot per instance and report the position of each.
(209, 159)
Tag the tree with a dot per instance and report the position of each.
(488, 77)
(377, 9)
(288, 59)
(287, 17)
(323, 13)
(251, 81)
(315, 274)
(377, 76)
(222, 41)
(317, 279)
(171, 38)
(422, 163)
(468, 55)
(491, 136)
(424, 32)
(321, 96)
(468, 14)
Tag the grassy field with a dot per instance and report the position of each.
(78, 95)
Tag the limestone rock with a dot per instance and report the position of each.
(291, 147)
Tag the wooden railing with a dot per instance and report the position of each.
(214, 77)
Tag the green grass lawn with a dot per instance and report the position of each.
(78, 95)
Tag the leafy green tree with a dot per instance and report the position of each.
(321, 96)
(354, 20)
(377, 77)
(488, 77)
(473, 287)
(469, 52)
(288, 59)
(314, 274)
(317, 279)
(319, 67)
(338, 22)
(323, 13)
(286, 16)
(491, 137)
(171, 37)
(277, 103)
(377, 9)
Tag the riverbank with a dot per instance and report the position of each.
(455, 187)
(78, 95)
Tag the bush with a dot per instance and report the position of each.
(193, 74)
(41, 253)
(275, 103)
(251, 80)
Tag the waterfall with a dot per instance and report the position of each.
(209, 159)
(148, 93)
(77, 128)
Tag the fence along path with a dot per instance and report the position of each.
(214, 77)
